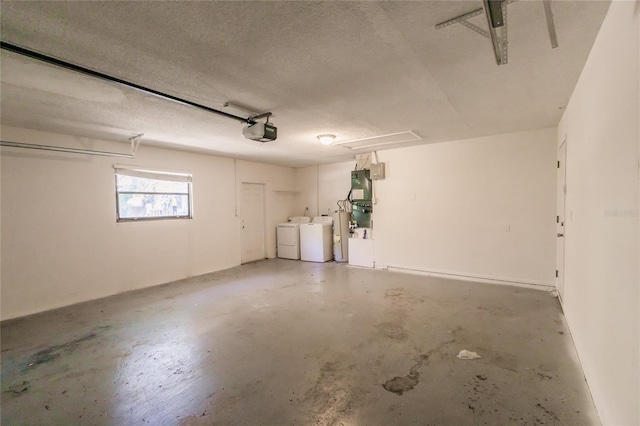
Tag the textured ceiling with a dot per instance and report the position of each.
(355, 69)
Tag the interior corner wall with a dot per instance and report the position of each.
(602, 254)
(306, 195)
(60, 241)
(320, 187)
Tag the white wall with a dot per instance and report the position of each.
(336, 182)
(306, 197)
(601, 297)
(60, 242)
(320, 187)
(482, 208)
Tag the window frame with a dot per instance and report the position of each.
(155, 174)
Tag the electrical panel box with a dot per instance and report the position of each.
(377, 171)
(361, 206)
(360, 185)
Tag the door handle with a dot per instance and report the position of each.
(560, 235)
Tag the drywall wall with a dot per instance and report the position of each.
(320, 187)
(336, 182)
(482, 208)
(60, 241)
(306, 196)
(601, 297)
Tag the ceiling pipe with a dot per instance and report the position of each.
(64, 149)
(73, 67)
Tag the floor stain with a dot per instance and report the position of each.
(52, 353)
(331, 397)
(544, 376)
(399, 385)
(392, 330)
(480, 395)
(18, 389)
(394, 293)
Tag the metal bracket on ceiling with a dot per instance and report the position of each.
(462, 19)
(475, 28)
(259, 116)
(500, 41)
(135, 142)
(252, 115)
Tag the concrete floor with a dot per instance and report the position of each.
(283, 342)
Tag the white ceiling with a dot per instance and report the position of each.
(355, 69)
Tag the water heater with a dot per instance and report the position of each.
(341, 236)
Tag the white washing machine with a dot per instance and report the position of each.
(316, 240)
(288, 237)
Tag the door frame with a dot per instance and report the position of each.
(561, 220)
(264, 215)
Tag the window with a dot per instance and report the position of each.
(143, 194)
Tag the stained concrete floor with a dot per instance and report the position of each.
(283, 342)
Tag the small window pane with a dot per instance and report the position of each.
(150, 198)
(138, 184)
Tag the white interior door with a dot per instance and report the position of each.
(562, 194)
(253, 223)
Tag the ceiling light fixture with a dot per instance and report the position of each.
(326, 139)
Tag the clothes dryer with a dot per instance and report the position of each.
(288, 237)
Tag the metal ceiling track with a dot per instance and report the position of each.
(496, 13)
(73, 67)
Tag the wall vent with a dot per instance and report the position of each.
(378, 141)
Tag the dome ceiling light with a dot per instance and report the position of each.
(326, 139)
